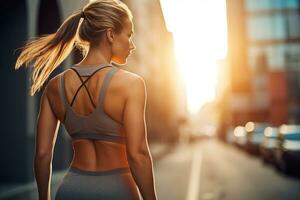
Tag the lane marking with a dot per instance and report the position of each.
(194, 183)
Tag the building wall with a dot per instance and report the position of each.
(239, 95)
(14, 134)
(154, 60)
(23, 20)
(237, 51)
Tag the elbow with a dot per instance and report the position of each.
(43, 155)
(138, 156)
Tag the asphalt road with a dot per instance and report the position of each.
(228, 173)
(211, 170)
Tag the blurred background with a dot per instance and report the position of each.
(223, 96)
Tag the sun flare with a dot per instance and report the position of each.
(200, 38)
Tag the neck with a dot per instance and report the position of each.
(97, 55)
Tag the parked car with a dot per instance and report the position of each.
(269, 144)
(287, 153)
(255, 135)
(239, 136)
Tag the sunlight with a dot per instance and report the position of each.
(200, 37)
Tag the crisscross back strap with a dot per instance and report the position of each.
(102, 93)
(83, 85)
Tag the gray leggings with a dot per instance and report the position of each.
(115, 184)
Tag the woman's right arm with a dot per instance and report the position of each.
(138, 153)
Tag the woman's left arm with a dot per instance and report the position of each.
(47, 128)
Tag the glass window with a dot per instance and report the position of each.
(292, 3)
(253, 52)
(257, 58)
(275, 55)
(266, 27)
(278, 26)
(292, 56)
(277, 4)
(293, 24)
(258, 27)
(258, 5)
(254, 5)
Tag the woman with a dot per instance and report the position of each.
(101, 106)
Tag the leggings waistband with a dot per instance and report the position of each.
(100, 173)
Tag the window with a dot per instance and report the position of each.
(274, 55)
(259, 5)
(267, 27)
(292, 56)
(255, 5)
(293, 19)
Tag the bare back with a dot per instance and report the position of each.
(93, 155)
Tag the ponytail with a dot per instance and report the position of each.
(48, 51)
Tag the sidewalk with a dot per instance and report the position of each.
(29, 190)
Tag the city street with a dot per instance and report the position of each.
(228, 173)
(234, 76)
(225, 173)
(211, 170)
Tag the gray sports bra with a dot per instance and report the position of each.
(97, 125)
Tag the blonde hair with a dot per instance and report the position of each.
(49, 51)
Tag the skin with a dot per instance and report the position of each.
(125, 102)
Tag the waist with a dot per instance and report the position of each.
(119, 170)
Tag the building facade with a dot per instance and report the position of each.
(263, 49)
(154, 60)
